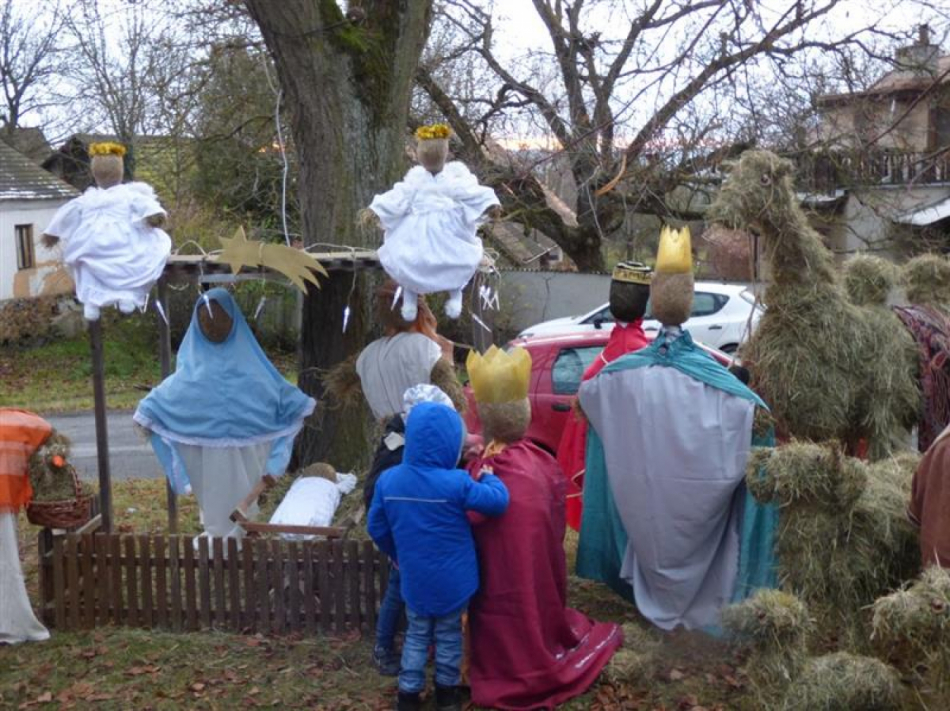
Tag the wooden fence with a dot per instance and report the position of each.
(182, 583)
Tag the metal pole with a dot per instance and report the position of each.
(165, 354)
(102, 427)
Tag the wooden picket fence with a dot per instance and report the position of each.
(167, 582)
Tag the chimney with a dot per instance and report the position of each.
(921, 57)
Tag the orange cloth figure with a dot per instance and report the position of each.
(21, 434)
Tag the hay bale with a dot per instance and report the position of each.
(845, 682)
(637, 659)
(927, 280)
(843, 538)
(869, 279)
(912, 628)
(775, 626)
(802, 472)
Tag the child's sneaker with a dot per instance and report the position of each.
(448, 698)
(386, 661)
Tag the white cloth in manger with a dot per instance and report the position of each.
(312, 501)
(18, 623)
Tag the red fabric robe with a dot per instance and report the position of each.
(570, 452)
(930, 503)
(528, 649)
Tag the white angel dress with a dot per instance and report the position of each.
(430, 223)
(112, 252)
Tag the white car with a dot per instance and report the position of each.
(720, 317)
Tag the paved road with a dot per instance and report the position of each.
(129, 456)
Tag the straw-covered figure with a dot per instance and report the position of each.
(112, 241)
(430, 220)
(814, 355)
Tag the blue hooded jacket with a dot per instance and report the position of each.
(418, 513)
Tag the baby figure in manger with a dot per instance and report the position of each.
(430, 220)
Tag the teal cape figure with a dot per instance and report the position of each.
(671, 525)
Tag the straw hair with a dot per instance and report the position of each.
(320, 470)
(433, 131)
(505, 422)
(671, 297)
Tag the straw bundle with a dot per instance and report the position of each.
(636, 659)
(845, 682)
(729, 252)
(775, 626)
(927, 280)
(342, 384)
(869, 279)
(912, 626)
(51, 474)
(843, 537)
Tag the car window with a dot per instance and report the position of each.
(706, 304)
(569, 368)
(603, 315)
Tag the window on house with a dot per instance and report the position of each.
(25, 257)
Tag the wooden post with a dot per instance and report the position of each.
(102, 427)
(165, 353)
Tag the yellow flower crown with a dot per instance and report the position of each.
(436, 130)
(105, 149)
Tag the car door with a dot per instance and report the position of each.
(556, 388)
(706, 322)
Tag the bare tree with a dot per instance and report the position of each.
(635, 110)
(346, 79)
(28, 61)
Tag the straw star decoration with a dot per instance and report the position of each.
(295, 264)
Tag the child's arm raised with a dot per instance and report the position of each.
(487, 496)
(378, 526)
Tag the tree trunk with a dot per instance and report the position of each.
(346, 87)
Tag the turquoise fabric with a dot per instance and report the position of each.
(603, 538)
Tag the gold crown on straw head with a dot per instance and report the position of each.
(632, 273)
(106, 149)
(498, 376)
(674, 255)
(436, 130)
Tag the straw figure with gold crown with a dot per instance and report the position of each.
(112, 241)
(430, 220)
(538, 653)
(672, 544)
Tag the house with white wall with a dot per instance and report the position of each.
(29, 197)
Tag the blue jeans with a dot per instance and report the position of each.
(446, 633)
(390, 611)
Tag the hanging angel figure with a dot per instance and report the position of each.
(112, 241)
(430, 220)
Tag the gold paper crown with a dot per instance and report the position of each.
(498, 376)
(632, 273)
(105, 149)
(436, 130)
(674, 255)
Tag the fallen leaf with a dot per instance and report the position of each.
(197, 686)
(675, 675)
(44, 698)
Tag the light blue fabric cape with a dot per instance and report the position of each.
(603, 539)
(224, 394)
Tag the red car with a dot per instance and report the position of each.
(557, 365)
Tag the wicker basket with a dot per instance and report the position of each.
(69, 513)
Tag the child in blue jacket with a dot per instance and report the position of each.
(418, 518)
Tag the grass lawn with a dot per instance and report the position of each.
(57, 376)
(118, 668)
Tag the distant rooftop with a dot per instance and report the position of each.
(22, 179)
